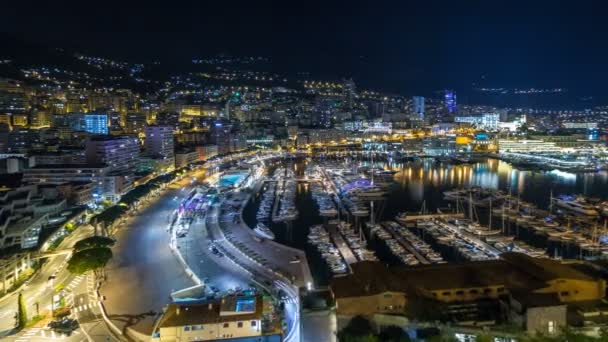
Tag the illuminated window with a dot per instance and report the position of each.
(551, 327)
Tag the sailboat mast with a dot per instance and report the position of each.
(470, 205)
(490, 219)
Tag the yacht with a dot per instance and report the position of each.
(577, 204)
(263, 231)
(604, 208)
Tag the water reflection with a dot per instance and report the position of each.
(427, 179)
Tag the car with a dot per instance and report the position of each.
(66, 325)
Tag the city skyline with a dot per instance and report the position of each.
(309, 172)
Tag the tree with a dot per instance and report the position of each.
(393, 333)
(358, 329)
(93, 242)
(484, 338)
(90, 259)
(21, 312)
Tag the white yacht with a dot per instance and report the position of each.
(263, 231)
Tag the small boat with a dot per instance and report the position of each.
(263, 231)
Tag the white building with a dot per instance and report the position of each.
(580, 125)
(526, 146)
(120, 153)
(105, 185)
(231, 317)
(488, 121)
(23, 212)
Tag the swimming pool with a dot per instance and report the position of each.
(232, 179)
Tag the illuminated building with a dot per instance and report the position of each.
(526, 146)
(24, 212)
(76, 103)
(40, 118)
(13, 102)
(159, 143)
(488, 121)
(450, 101)
(418, 107)
(185, 157)
(168, 119)
(20, 140)
(136, 123)
(206, 151)
(105, 185)
(579, 125)
(120, 153)
(349, 89)
(234, 318)
(96, 123)
(438, 146)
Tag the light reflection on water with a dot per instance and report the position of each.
(426, 180)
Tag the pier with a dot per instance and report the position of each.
(403, 242)
(414, 218)
(277, 198)
(342, 246)
(470, 238)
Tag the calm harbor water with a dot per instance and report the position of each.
(425, 181)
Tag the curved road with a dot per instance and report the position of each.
(144, 270)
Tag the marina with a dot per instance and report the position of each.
(443, 232)
(333, 256)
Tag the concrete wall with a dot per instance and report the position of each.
(467, 294)
(387, 302)
(204, 332)
(545, 320)
(572, 290)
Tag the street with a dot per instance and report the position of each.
(79, 292)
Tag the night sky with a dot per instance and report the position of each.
(394, 46)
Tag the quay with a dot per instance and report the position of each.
(272, 258)
(342, 246)
(403, 242)
(415, 218)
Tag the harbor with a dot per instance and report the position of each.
(361, 220)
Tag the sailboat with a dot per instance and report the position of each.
(476, 228)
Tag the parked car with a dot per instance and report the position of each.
(66, 325)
